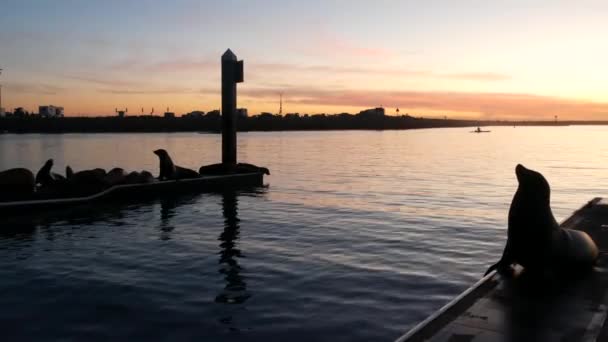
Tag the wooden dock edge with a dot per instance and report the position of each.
(482, 284)
(424, 330)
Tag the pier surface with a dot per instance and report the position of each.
(522, 309)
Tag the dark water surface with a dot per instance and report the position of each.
(357, 237)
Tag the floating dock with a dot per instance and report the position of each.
(520, 309)
(140, 191)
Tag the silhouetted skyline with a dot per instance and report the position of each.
(471, 60)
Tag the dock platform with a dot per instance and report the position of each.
(139, 191)
(521, 309)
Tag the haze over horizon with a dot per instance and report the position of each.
(474, 59)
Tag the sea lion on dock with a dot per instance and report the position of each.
(17, 184)
(146, 177)
(132, 177)
(226, 169)
(213, 169)
(534, 238)
(244, 167)
(139, 177)
(45, 177)
(116, 176)
(168, 170)
(85, 182)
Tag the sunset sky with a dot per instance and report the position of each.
(463, 59)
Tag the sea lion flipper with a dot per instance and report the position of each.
(503, 266)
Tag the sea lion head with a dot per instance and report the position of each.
(44, 176)
(68, 172)
(161, 153)
(533, 187)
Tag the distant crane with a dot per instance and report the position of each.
(280, 103)
(121, 113)
(152, 112)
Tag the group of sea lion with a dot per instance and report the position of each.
(535, 240)
(21, 184)
(168, 170)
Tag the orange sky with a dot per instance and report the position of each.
(476, 59)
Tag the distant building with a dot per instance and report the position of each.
(169, 115)
(2, 113)
(373, 112)
(242, 113)
(194, 114)
(50, 111)
(214, 113)
(20, 112)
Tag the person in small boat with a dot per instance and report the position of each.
(478, 130)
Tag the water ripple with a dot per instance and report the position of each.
(359, 235)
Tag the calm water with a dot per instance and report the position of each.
(358, 236)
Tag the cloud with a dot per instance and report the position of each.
(475, 76)
(183, 65)
(150, 91)
(258, 68)
(487, 105)
(33, 88)
(396, 72)
(103, 81)
(171, 65)
(284, 67)
(329, 44)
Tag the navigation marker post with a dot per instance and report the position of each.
(232, 73)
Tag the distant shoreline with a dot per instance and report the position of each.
(252, 124)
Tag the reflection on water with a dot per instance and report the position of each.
(167, 211)
(359, 236)
(17, 230)
(235, 291)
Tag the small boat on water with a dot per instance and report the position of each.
(479, 130)
(140, 191)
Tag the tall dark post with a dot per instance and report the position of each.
(232, 73)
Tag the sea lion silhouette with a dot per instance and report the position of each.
(116, 176)
(16, 184)
(168, 170)
(225, 169)
(139, 177)
(85, 182)
(534, 239)
(45, 176)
